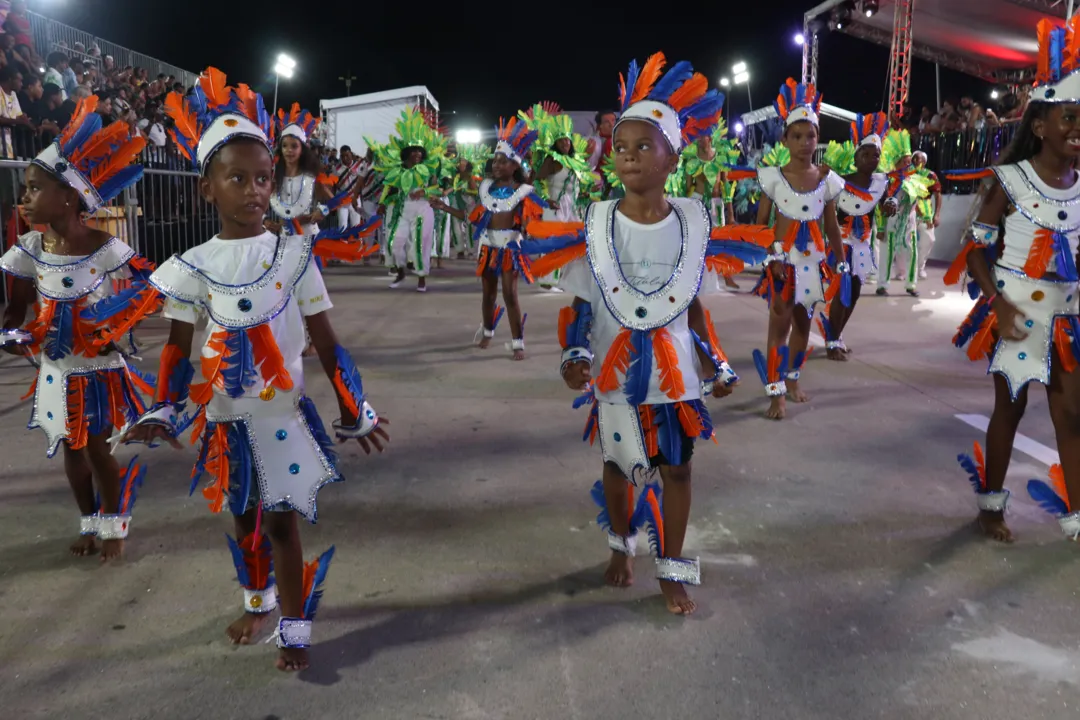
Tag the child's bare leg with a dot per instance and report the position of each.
(246, 628)
(676, 516)
(107, 478)
(838, 315)
(513, 309)
(490, 287)
(800, 338)
(1000, 434)
(289, 574)
(81, 479)
(620, 570)
(1063, 394)
(779, 328)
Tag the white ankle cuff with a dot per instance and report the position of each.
(260, 601)
(627, 545)
(88, 525)
(992, 501)
(113, 527)
(293, 633)
(680, 570)
(1070, 525)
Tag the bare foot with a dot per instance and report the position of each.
(111, 550)
(846, 350)
(678, 602)
(992, 525)
(777, 408)
(438, 263)
(519, 355)
(730, 282)
(292, 659)
(84, 546)
(836, 354)
(796, 395)
(309, 351)
(245, 629)
(485, 343)
(620, 571)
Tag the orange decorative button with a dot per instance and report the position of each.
(1038, 295)
(268, 393)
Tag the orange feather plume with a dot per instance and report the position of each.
(689, 92)
(116, 399)
(198, 427)
(667, 362)
(77, 427)
(1057, 482)
(294, 113)
(170, 356)
(1064, 345)
(737, 175)
(616, 361)
(555, 260)
(959, 266)
(1042, 251)
(145, 303)
(1043, 30)
(714, 339)
(723, 265)
(100, 145)
(476, 214)
(82, 111)
(789, 237)
(658, 517)
(700, 125)
(268, 357)
(249, 101)
(345, 394)
(185, 122)
(649, 430)
(567, 316)
(817, 236)
(217, 467)
(257, 560)
(773, 367)
(553, 228)
(647, 77)
(980, 460)
(982, 342)
(343, 250)
(132, 471)
(214, 85)
(327, 180)
(690, 420)
(211, 368)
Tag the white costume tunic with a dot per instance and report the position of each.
(295, 198)
(804, 255)
(901, 246)
(234, 285)
(68, 285)
(641, 278)
(414, 234)
(562, 190)
(1042, 212)
(857, 223)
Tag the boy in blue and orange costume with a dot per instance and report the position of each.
(506, 207)
(793, 283)
(84, 387)
(262, 443)
(636, 269)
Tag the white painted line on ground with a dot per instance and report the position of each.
(1031, 448)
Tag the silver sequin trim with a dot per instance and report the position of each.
(625, 545)
(1005, 175)
(267, 600)
(293, 633)
(113, 527)
(1070, 525)
(680, 570)
(91, 260)
(776, 389)
(88, 525)
(493, 204)
(992, 501)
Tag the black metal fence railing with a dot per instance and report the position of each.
(964, 150)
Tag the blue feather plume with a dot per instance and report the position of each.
(762, 366)
(650, 518)
(350, 376)
(315, 424)
(91, 124)
(59, 338)
(339, 201)
(972, 323)
(238, 562)
(129, 488)
(974, 476)
(603, 519)
(577, 334)
(586, 398)
(200, 460)
(669, 434)
(800, 358)
(802, 237)
(671, 81)
(1074, 333)
(594, 419)
(639, 373)
(1047, 499)
(749, 253)
(481, 225)
(120, 181)
(180, 380)
(705, 349)
(542, 246)
(710, 103)
(239, 372)
(827, 327)
(845, 289)
(107, 308)
(1057, 48)
(96, 404)
(1066, 263)
(241, 467)
(706, 419)
(499, 312)
(311, 602)
(631, 81)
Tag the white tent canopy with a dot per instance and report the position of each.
(350, 119)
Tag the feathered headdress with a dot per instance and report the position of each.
(896, 145)
(431, 119)
(515, 140)
(96, 162)
(798, 102)
(869, 129)
(300, 124)
(679, 103)
(1056, 79)
(212, 114)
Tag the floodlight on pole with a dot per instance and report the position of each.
(800, 39)
(283, 69)
(740, 67)
(742, 77)
(470, 136)
(724, 82)
(994, 94)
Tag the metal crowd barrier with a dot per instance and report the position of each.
(965, 150)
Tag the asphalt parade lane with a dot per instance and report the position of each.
(842, 577)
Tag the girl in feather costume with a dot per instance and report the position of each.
(263, 450)
(84, 388)
(635, 269)
(1021, 253)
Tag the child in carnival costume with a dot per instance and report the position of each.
(900, 244)
(803, 196)
(410, 163)
(1021, 253)
(561, 167)
(635, 268)
(262, 446)
(856, 161)
(462, 194)
(84, 388)
(507, 206)
(927, 210)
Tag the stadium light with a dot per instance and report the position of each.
(469, 136)
(800, 39)
(724, 82)
(994, 94)
(740, 67)
(283, 69)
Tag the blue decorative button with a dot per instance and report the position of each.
(61, 167)
(618, 437)
(806, 208)
(861, 253)
(370, 414)
(1068, 299)
(281, 434)
(294, 469)
(1030, 323)
(1001, 283)
(1023, 356)
(1050, 92)
(1062, 215)
(806, 268)
(67, 282)
(807, 291)
(641, 312)
(172, 419)
(857, 206)
(288, 212)
(48, 379)
(48, 415)
(244, 304)
(989, 236)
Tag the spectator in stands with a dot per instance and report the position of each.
(12, 117)
(80, 48)
(17, 24)
(81, 92)
(601, 142)
(30, 98)
(58, 64)
(104, 107)
(57, 109)
(926, 120)
(95, 51)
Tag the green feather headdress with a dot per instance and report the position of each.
(412, 131)
(840, 157)
(776, 156)
(896, 144)
(675, 185)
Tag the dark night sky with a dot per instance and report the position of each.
(478, 69)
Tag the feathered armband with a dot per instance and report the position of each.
(350, 388)
(575, 325)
